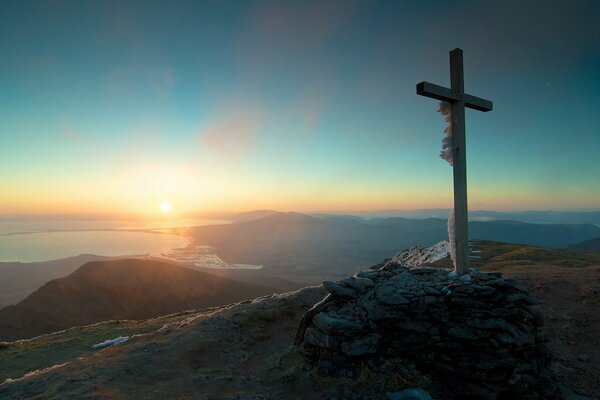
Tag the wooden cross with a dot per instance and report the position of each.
(458, 99)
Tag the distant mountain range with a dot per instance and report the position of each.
(298, 246)
(119, 289)
(532, 216)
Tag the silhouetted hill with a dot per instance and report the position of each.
(18, 280)
(587, 246)
(252, 215)
(121, 289)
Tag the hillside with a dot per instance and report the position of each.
(18, 280)
(119, 289)
(243, 351)
(587, 246)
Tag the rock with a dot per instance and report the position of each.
(583, 357)
(388, 295)
(365, 345)
(314, 337)
(359, 284)
(462, 333)
(329, 324)
(423, 270)
(409, 394)
(368, 274)
(339, 290)
(417, 256)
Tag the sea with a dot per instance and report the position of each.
(31, 240)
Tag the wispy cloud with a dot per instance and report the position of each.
(308, 108)
(234, 132)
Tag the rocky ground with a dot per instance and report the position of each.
(245, 351)
(473, 336)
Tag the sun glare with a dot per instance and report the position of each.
(165, 207)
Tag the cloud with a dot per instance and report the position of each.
(234, 133)
(308, 110)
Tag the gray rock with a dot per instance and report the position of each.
(462, 333)
(339, 290)
(358, 284)
(329, 324)
(377, 312)
(409, 394)
(492, 324)
(361, 346)
(414, 326)
(404, 279)
(368, 274)
(431, 290)
(423, 270)
(388, 295)
(316, 338)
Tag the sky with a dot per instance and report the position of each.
(125, 106)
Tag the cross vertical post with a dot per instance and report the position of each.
(459, 157)
(458, 100)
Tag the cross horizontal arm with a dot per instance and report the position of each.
(478, 103)
(444, 94)
(436, 92)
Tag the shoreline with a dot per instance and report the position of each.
(189, 253)
(154, 248)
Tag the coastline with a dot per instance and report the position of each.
(52, 245)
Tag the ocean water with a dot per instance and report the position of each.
(9, 225)
(43, 246)
(42, 240)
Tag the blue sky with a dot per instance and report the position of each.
(308, 106)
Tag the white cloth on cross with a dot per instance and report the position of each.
(446, 154)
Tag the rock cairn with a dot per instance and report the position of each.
(475, 336)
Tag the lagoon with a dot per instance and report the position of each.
(43, 246)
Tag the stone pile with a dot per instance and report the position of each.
(475, 336)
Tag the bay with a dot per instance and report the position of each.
(43, 246)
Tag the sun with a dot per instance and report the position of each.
(165, 207)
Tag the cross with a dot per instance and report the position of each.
(458, 100)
